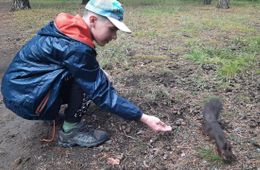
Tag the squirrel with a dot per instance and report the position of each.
(212, 128)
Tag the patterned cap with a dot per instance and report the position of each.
(111, 9)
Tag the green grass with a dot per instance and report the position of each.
(235, 139)
(153, 92)
(159, 3)
(114, 53)
(237, 56)
(209, 155)
(56, 4)
(152, 58)
(180, 2)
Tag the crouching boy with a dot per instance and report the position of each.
(58, 65)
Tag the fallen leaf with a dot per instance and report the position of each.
(113, 161)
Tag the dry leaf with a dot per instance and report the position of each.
(113, 161)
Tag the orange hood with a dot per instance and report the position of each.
(74, 27)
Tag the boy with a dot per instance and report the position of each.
(59, 66)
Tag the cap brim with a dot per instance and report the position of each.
(120, 25)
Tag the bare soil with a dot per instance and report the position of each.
(131, 144)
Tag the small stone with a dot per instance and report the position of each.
(253, 124)
(174, 127)
(168, 148)
(106, 149)
(109, 142)
(2, 152)
(179, 122)
(108, 66)
(128, 130)
(165, 156)
(244, 117)
(204, 161)
(18, 161)
(130, 52)
(227, 90)
(140, 132)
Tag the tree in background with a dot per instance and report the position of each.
(223, 4)
(20, 4)
(206, 2)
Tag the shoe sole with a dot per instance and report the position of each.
(67, 145)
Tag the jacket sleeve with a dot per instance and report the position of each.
(85, 69)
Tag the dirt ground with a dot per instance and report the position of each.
(132, 144)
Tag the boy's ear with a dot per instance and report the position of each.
(92, 19)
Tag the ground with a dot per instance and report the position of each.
(166, 85)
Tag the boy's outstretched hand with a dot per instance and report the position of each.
(155, 123)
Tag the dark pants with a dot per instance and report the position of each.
(72, 95)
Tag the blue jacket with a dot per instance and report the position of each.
(39, 68)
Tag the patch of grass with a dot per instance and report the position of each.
(203, 55)
(245, 2)
(232, 67)
(159, 3)
(149, 90)
(152, 58)
(113, 53)
(143, 34)
(237, 57)
(42, 12)
(177, 131)
(205, 100)
(55, 4)
(243, 98)
(258, 72)
(229, 115)
(153, 93)
(235, 138)
(160, 11)
(223, 85)
(209, 155)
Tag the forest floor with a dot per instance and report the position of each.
(155, 75)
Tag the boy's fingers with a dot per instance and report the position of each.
(164, 127)
(161, 123)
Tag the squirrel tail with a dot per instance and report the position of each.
(212, 107)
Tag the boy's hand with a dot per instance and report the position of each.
(155, 123)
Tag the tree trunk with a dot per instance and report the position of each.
(84, 2)
(20, 4)
(223, 4)
(206, 2)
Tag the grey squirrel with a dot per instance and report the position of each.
(213, 129)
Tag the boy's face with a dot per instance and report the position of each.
(103, 31)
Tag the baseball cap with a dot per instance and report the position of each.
(111, 9)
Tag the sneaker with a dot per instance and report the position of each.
(82, 136)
